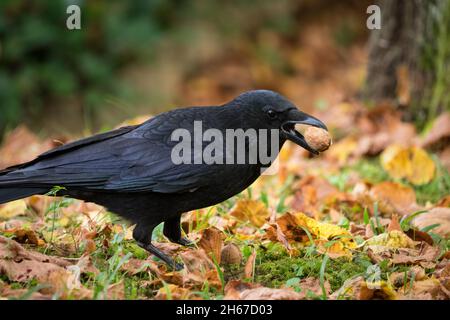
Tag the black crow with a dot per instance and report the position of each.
(132, 171)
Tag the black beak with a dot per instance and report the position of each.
(298, 117)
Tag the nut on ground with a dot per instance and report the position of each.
(231, 254)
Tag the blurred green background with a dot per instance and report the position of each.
(143, 57)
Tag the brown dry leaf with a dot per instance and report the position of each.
(172, 292)
(250, 266)
(343, 150)
(62, 278)
(222, 223)
(134, 266)
(9, 293)
(27, 236)
(416, 273)
(162, 274)
(311, 192)
(425, 255)
(285, 230)
(116, 291)
(198, 269)
(380, 127)
(424, 290)
(418, 235)
(211, 241)
(392, 198)
(311, 284)
(394, 224)
(21, 145)
(90, 246)
(234, 288)
(270, 294)
(66, 284)
(21, 265)
(13, 209)
(238, 290)
(250, 210)
(444, 202)
(358, 289)
(438, 215)
(412, 163)
(438, 132)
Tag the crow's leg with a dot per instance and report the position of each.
(172, 230)
(142, 233)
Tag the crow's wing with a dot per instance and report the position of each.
(131, 159)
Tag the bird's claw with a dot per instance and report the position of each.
(178, 266)
(159, 254)
(185, 242)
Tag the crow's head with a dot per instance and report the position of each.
(268, 109)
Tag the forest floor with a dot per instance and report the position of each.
(369, 218)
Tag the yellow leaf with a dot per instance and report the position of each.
(392, 239)
(343, 149)
(329, 238)
(250, 210)
(412, 163)
(12, 209)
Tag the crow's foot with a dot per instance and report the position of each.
(161, 255)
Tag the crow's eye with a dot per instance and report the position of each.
(271, 114)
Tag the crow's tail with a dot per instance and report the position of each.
(14, 193)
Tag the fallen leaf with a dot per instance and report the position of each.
(21, 265)
(134, 266)
(211, 241)
(27, 236)
(343, 150)
(13, 209)
(392, 198)
(437, 216)
(425, 254)
(21, 145)
(313, 285)
(238, 290)
(250, 210)
(418, 235)
(173, 292)
(439, 131)
(311, 192)
(198, 268)
(22, 294)
(411, 163)
(358, 289)
(423, 290)
(389, 240)
(394, 224)
(57, 275)
(250, 266)
(329, 238)
(415, 273)
(444, 202)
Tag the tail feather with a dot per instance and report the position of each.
(10, 194)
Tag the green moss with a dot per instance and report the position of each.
(274, 267)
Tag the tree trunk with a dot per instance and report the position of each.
(408, 56)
